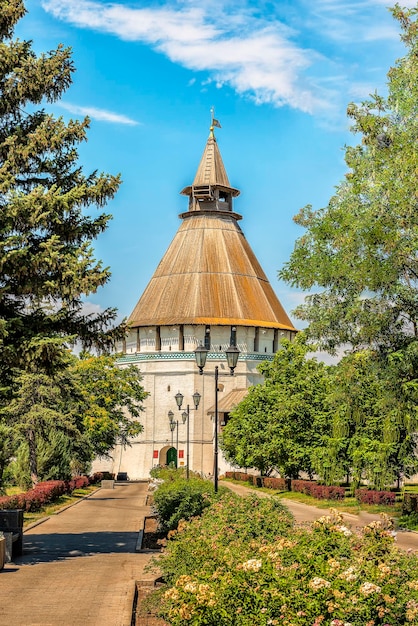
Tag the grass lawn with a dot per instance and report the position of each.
(12, 491)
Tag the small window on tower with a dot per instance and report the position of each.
(207, 338)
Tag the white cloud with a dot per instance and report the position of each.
(326, 358)
(253, 56)
(404, 3)
(91, 308)
(353, 21)
(361, 91)
(100, 115)
(259, 51)
(381, 32)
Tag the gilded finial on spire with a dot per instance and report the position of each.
(213, 122)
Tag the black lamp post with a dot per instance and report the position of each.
(185, 416)
(173, 425)
(232, 354)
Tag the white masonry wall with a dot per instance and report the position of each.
(168, 371)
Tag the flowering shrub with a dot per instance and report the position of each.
(309, 487)
(242, 563)
(368, 496)
(238, 476)
(44, 493)
(229, 520)
(97, 477)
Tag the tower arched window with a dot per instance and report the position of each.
(207, 337)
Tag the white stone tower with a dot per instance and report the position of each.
(208, 289)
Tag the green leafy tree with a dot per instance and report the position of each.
(67, 417)
(359, 257)
(47, 264)
(281, 421)
(112, 399)
(373, 432)
(360, 252)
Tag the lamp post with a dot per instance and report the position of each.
(174, 425)
(232, 354)
(185, 416)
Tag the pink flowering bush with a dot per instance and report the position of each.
(243, 563)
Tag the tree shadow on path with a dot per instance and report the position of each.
(45, 548)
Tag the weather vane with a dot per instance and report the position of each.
(214, 122)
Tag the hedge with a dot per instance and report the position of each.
(369, 496)
(303, 486)
(238, 476)
(410, 503)
(45, 493)
(309, 487)
(281, 484)
(321, 492)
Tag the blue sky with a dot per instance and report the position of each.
(279, 74)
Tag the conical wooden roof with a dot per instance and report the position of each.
(209, 274)
(211, 170)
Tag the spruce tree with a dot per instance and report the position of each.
(47, 264)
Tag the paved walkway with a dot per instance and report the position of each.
(406, 540)
(79, 567)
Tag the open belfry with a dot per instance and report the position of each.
(208, 290)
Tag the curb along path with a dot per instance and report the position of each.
(79, 567)
(406, 540)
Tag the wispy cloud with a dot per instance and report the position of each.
(404, 3)
(255, 57)
(261, 52)
(361, 91)
(343, 20)
(101, 115)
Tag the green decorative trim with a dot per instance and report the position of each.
(189, 356)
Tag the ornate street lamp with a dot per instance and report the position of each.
(185, 416)
(232, 354)
(200, 355)
(173, 425)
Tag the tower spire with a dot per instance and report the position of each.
(209, 274)
(211, 189)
